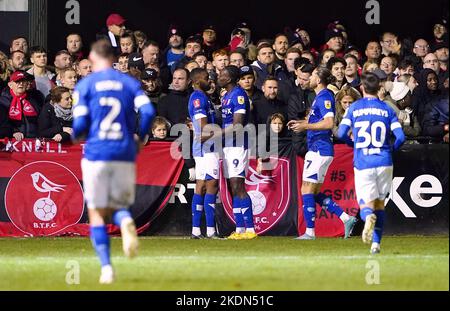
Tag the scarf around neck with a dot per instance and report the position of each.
(20, 106)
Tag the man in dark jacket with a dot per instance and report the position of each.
(174, 106)
(265, 106)
(116, 27)
(265, 65)
(22, 109)
(436, 121)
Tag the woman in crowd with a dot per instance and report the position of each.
(55, 119)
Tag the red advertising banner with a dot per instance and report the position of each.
(42, 195)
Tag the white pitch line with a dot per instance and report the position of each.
(206, 257)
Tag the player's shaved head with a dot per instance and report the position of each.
(198, 74)
(199, 78)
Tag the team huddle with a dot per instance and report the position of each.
(105, 108)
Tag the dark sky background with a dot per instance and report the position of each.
(408, 18)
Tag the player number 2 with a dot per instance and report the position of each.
(108, 128)
(371, 137)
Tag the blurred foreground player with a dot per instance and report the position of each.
(105, 105)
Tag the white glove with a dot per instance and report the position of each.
(192, 174)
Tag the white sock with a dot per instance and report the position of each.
(240, 230)
(375, 245)
(310, 232)
(344, 217)
(196, 231)
(210, 231)
(251, 230)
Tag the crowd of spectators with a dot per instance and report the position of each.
(35, 94)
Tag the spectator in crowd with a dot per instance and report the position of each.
(441, 52)
(17, 60)
(370, 66)
(63, 60)
(43, 77)
(435, 123)
(334, 41)
(440, 33)
(122, 62)
(208, 41)
(191, 65)
(84, 68)
(237, 40)
(289, 62)
(269, 104)
(325, 56)
(23, 110)
(220, 60)
(401, 94)
(150, 54)
(344, 98)
(193, 46)
(116, 27)
(69, 78)
(388, 65)
(351, 70)
(200, 59)
(127, 42)
(4, 71)
(237, 59)
(389, 44)
(152, 86)
(174, 106)
(19, 44)
(74, 45)
(406, 66)
(280, 46)
(175, 50)
(431, 61)
(247, 82)
(309, 56)
(409, 80)
(265, 65)
(160, 128)
(305, 39)
(421, 48)
(55, 119)
(277, 124)
(140, 37)
(426, 93)
(337, 67)
(373, 51)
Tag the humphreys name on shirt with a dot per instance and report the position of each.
(370, 111)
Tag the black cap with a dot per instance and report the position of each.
(331, 33)
(195, 38)
(439, 45)
(246, 70)
(173, 30)
(209, 27)
(243, 25)
(149, 74)
(136, 60)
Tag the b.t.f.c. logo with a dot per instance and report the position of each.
(269, 191)
(43, 198)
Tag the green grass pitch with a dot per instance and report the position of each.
(266, 263)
